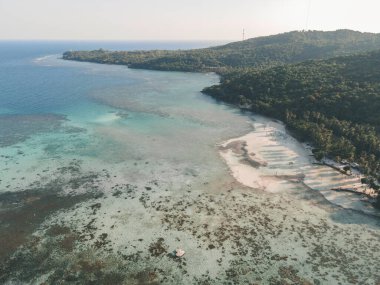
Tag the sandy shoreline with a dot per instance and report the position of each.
(269, 159)
(110, 203)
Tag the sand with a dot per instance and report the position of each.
(131, 217)
(111, 204)
(269, 159)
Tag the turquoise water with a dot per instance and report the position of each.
(30, 87)
(35, 83)
(78, 133)
(105, 171)
(55, 111)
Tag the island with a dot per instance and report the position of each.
(325, 87)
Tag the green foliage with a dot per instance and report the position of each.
(332, 103)
(284, 48)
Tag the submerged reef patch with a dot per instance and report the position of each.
(18, 128)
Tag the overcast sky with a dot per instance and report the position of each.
(180, 19)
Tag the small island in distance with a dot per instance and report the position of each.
(325, 86)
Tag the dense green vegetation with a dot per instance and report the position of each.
(332, 103)
(289, 47)
(324, 85)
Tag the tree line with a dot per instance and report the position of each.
(334, 104)
(324, 85)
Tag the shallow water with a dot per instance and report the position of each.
(66, 110)
(105, 171)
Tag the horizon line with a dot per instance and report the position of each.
(175, 40)
(119, 40)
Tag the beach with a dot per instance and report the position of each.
(138, 164)
(271, 160)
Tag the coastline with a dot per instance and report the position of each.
(270, 159)
(150, 191)
(284, 178)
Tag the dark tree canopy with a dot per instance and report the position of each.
(289, 47)
(324, 85)
(333, 103)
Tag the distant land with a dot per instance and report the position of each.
(267, 51)
(325, 86)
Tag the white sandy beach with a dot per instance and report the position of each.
(268, 158)
(113, 192)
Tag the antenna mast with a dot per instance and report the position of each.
(243, 34)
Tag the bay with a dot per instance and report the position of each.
(106, 171)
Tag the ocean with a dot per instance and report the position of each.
(54, 108)
(105, 171)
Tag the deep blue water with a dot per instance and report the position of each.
(28, 88)
(144, 148)
(122, 113)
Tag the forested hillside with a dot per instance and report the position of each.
(257, 52)
(324, 85)
(333, 103)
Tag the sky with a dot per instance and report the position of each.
(180, 19)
